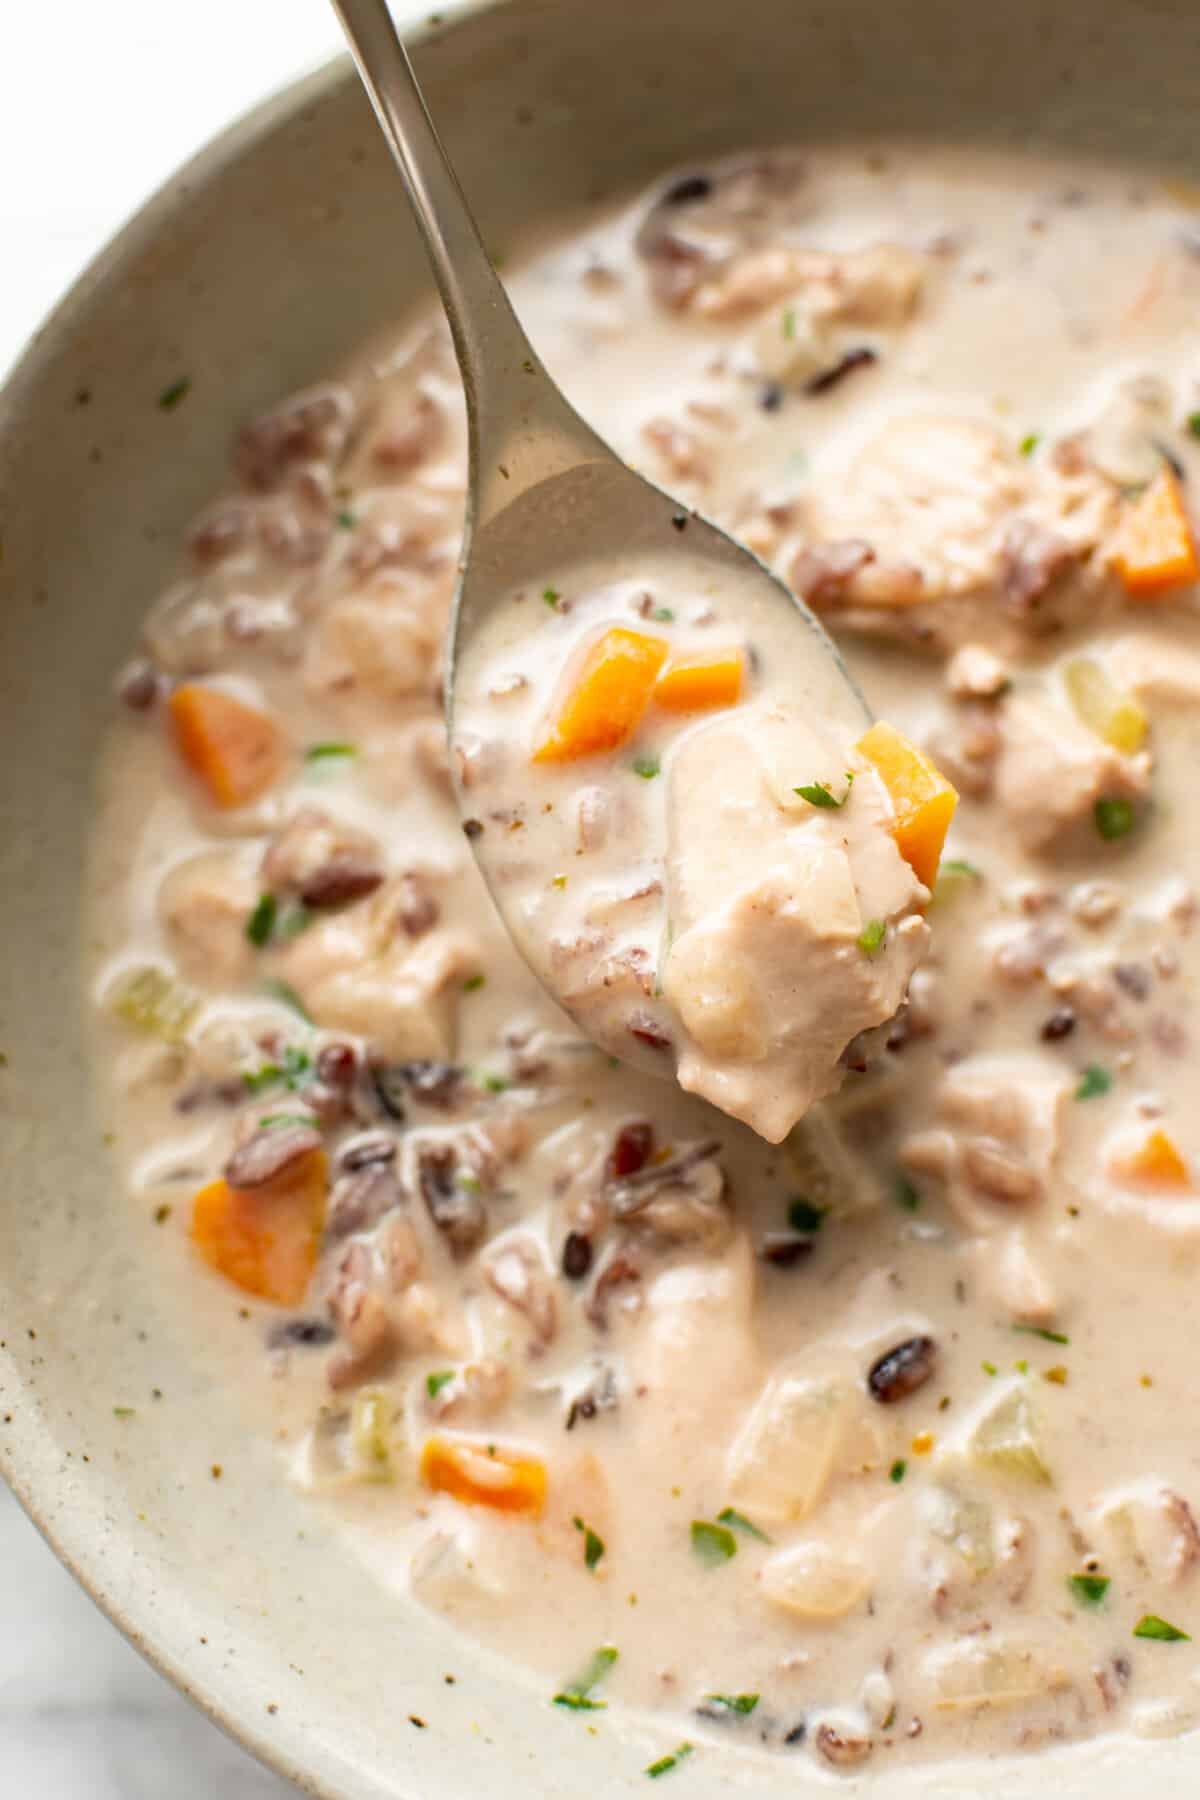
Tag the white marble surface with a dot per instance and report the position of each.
(84, 138)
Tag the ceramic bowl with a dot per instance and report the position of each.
(258, 268)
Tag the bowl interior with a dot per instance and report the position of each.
(257, 269)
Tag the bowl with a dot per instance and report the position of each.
(260, 266)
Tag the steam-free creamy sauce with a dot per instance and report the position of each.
(870, 1445)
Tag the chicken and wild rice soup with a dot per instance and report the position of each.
(833, 1404)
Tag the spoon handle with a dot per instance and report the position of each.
(520, 427)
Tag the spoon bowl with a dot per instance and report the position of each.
(548, 500)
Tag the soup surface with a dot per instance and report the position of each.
(865, 1445)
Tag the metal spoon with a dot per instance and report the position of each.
(544, 491)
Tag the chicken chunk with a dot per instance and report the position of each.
(382, 638)
(1053, 770)
(769, 974)
(405, 1002)
(204, 904)
(999, 1137)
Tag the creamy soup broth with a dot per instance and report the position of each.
(872, 1444)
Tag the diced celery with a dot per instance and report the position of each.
(1104, 708)
(1002, 1435)
(370, 1437)
(152, 1001)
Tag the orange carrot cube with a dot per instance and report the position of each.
(265, 1239)
(236, 750)
(699, 682)
(480, 1475)
(1155, 549)
(922, 798)
(605, 700)
(1156, 1163)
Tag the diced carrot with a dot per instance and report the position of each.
(923, 799)
(265, 1239)
(481, 1475)
(1155, 1163)
(699, 682)
(236, 750)
(1155, 549)
(605, 700)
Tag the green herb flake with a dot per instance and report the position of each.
(898, 1471)
(1029, 443)
(989, 1368)
(273, 1120)
(906, 1194)
(819, 793)
(496, 1084)
(1094, 1081)
(804, 1216)
(739, 1522)
(593, 1544)
(646, 766)
(552, 597)
(261, 923)
(713, 1544)
(735, 1703)
(1043, 1331)
(665, 1764)
(317, 754)
(870, 938)
(162, 1213)
(789, 323)
(346, 519)
(295, 1065)
(292, 921)
(1151, 1626)
(577, 1695)
(1193, 424)
(1113, 817)
(1089, 1590)
(436, 1380)
(171, 396)
(285, 993)
(1021, 1366)
(473, 983)
(123, 1412)
(664, 615)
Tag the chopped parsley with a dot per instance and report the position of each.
(261, 923)
(496, 1084)
(664, 615)
(286, 993)
(1193, 424)
(293, 920)
(989, 1368)
(1151, 1626)
(819, 793)
(906, 1194)
(347, 519)
(328, 753)
(1095, 1080)
(123, 1412)
(577, 1695)
(273, 1120)
(665, 1764)
(473, 983)
(593, 1545)
(958, 865)
(436, 1380)
(789, 322)
(646, 766)
(1089, 1590)
(713, 1544)
(296, 1064)
(1044, 1332)
(1114, 818)
(898, 1471)
(552, 597)
(1029, 443)
(179, 390)
(804, 1216)
(735, 1703)
(730, 1516)
(870, 938)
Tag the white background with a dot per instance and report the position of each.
(99, 101)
